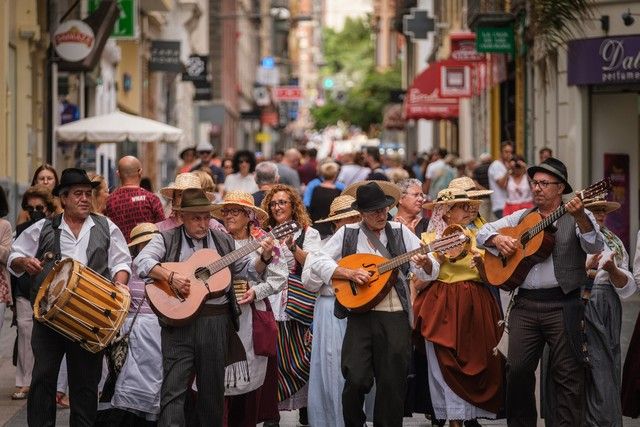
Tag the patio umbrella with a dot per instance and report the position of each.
(117, 127)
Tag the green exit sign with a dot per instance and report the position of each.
(125, 26)
(495, 39)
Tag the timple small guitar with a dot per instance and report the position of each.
(209, 276)
(361, 298)
(536, 241)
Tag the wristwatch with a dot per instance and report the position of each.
(265, 261)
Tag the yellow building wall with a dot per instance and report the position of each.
(130, 63)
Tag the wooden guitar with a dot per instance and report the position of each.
(536, 237)
(209, 275)
(361, 298)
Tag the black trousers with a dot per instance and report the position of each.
(377, 345)
(531, 325)
(201, 348)
(84, 370)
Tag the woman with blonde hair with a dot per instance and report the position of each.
(99, 194)
(283, 204)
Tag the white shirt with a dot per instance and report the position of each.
(636, 261)
(519, 192)
(323, 265)
(497, 171)
(434, 169)
(541, 275)
(236, 182)
(602, 276)
(26, 245)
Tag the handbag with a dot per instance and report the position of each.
(300, 301)
(265, 331)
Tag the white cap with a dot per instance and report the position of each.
(204, 146)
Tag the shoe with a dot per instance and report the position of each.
(303, 417)
(472, 423)
(62, 400)
(271, 424)
(20, 394)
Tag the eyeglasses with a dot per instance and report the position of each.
(467, 207)
(417, 195)
(39, 208)
(243, 161)
(203, 152)
(79, 193)
(281, 203)
(542, 184)
(231, 211)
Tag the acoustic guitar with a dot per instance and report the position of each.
(536, 240)
(209, 275)
(383, 272)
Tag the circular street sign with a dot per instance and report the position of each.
(73, 40)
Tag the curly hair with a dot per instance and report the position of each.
(39, 191)
(299, 213)
(244, 154)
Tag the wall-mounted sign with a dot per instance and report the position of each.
(287, 93)
(165, 56)
(125, 26)
(455, 79)
(463, 47)
(195, 70)
(604, 60)
(495, 39)
(73, 40)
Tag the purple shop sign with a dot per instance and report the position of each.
(604, 60)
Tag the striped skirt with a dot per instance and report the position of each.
(294, 358)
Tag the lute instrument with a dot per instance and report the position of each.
(536, 238)
(209, 275)
(383, 272)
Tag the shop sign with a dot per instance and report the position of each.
(125, 26)
(73, 40)
(604, 60)
(165, 56)
(195, 70)
(424, 101)
(463, 47)
(287, 93)
(455, 79)
(495, 39)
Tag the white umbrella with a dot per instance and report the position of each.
(117, 127)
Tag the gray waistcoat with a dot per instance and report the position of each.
(395, 246)
(568, 256)
(97, 249)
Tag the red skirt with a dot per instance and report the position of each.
(510, 208)
(461, 320)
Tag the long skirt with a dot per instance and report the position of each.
(460, 321)
(294, 363)
(631, 376)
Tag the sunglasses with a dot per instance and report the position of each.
(39, 208)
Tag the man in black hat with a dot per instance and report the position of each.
(377, 343)
(547, 308)
(207, 343)
(94, 241)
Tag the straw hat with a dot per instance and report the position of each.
(389, 188)
(242, 199)
(194, 200)
(467, 184)
(143, 232)
(601, 204)
(340, 209)
(182, 182)
(450, 196)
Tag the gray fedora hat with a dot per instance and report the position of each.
(553, 167)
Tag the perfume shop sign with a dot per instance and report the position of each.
(604, 61)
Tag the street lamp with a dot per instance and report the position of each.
(628, 18)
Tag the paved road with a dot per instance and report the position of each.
(13, 413)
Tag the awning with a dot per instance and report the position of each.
(423, 100)
(117, 127)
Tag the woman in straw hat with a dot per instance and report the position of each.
(458, 318)
(603, 313)
(325, 379)
(135, 396)
(174, 193)
(242, 220)
(283, 203)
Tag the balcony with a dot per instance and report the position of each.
(487, 13)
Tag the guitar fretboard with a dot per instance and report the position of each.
(437, 245)
(555, 215)
(232, 257)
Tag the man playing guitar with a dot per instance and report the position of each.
(377, 342)
(547, 307)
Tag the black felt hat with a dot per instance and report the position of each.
(73, 176)
(553, 167)
(370, 197)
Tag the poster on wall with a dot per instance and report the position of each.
(616, 167)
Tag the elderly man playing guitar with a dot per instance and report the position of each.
(377, 340)
(547, 306)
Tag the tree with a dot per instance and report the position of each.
(360, 92)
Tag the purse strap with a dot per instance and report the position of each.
(373, 238)
(135, 316)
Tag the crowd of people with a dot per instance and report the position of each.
(276, 337)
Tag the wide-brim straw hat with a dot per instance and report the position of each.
(340, 209)
(389, 188)
(194, 200)
(451, 196)
(142, 232)
(469, 185)
(183, 181)
(242, 199)
(597, 204)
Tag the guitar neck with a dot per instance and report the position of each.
(232, 257)
(555, 215)
(403, 259)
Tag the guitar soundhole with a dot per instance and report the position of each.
(202, 273)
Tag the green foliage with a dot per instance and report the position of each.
(553, 22)
(350, 61)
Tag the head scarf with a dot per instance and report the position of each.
(257, 233)
(437, 223)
